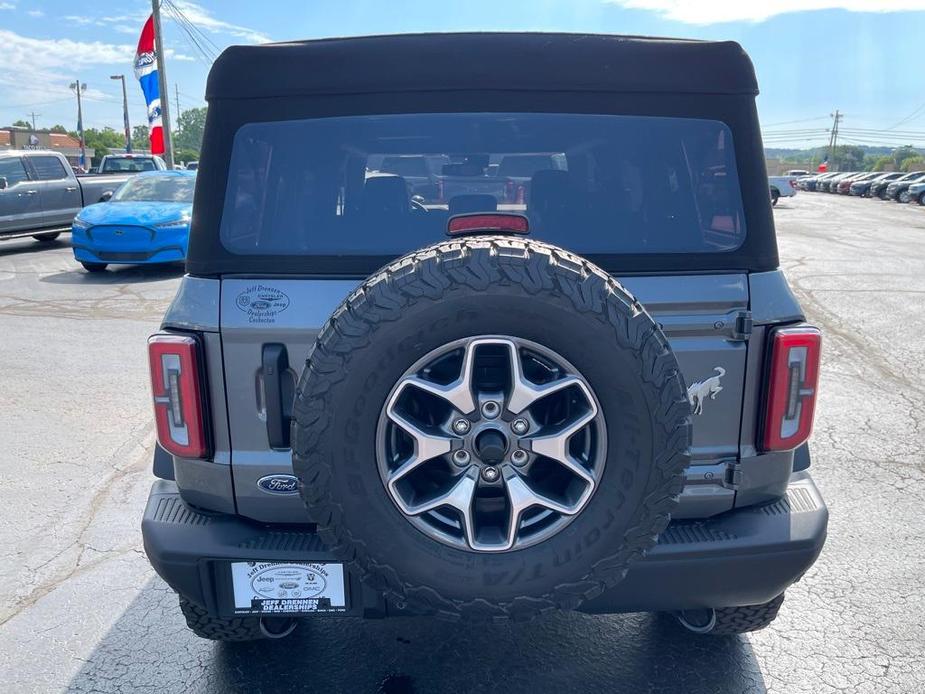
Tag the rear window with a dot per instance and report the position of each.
(384, 185)
(128, 165)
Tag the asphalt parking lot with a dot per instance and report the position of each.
(81, 610)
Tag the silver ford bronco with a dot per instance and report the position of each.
(481, 343)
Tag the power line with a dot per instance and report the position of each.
(196, 38)
(801, 120)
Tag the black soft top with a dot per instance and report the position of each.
(480, 72)
(446, 62)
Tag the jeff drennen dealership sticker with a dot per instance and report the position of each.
(261, 303)
(264, 587)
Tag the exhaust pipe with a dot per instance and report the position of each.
(277, 627)
(699, 621)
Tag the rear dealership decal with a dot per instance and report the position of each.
(261, 303)
(707, 388)
(288, 587)
(279, 484)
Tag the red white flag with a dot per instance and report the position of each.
(146, 74)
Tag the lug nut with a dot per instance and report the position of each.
(491, 409)
(490, 474)
(461, 426)
(519, 457)
(461, 457)
(520, 426)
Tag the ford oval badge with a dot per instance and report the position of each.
(279, 484)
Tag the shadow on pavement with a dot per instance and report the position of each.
(27, 244)
(150, 648)
(117, 274)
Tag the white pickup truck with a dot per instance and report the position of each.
(782, 187)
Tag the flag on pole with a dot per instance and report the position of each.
(824, 166)
(146, 74)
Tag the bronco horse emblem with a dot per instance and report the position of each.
(701, 390)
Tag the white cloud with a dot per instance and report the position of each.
(35, 13)
(203, 19)
(51, 65)
(718, 11)
(7, 6)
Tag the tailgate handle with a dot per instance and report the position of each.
(279, 390)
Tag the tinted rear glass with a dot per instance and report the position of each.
(384, 185)
(128, 165)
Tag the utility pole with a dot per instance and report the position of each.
(79, 87)
(128, 129)
(34, 114)
(162, 82)
(177, 99)
(833, 137)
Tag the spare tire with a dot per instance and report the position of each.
(490, 427)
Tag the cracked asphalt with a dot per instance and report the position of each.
(80, 609)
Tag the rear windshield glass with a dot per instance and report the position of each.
(128, 164)
(384, 185)
(166, 188)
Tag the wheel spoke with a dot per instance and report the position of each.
(458, 393)
(426, 447)
(555, 446)
(521, 498)
(458, 497)
(524, 392)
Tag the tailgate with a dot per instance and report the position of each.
(704, 316)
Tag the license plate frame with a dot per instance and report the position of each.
(303, 588)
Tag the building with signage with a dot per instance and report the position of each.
(21, 138)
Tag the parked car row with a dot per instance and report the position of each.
(898, 186)
(141, 215)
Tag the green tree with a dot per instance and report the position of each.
(901, 153)
(57, 128)
(849, 157)
(22, 124)
(882, 163)
(185, 155)
(188, 133)
(916, 163)
(140, 137)
(102, 141)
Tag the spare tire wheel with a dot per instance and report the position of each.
(490, 427)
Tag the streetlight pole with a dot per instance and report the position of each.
(128, 129)
(79, 87)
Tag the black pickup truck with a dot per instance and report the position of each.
(39, 193)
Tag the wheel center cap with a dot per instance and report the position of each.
(491, 445)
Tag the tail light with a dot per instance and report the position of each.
(178, 400)
(791, 388)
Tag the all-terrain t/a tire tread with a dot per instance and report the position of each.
(741, 620)
(205, 626)
(479, 263)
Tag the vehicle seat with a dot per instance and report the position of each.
(551, 199)
(385, 196)
(466, 204)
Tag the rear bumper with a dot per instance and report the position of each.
(743, 557)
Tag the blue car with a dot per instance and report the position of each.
(146, 221)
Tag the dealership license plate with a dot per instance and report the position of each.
(288, 587)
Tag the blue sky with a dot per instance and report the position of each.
(809, 61)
